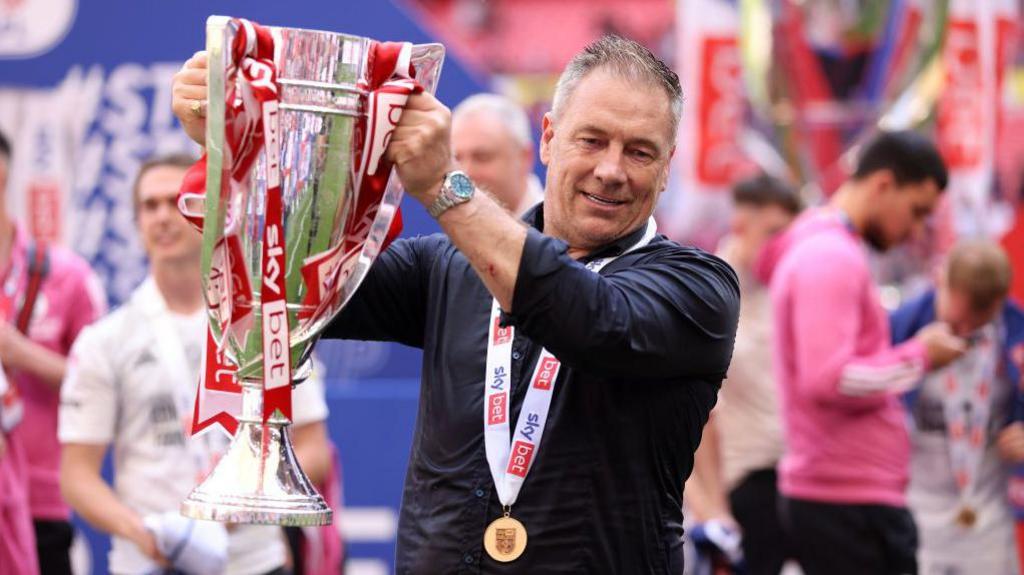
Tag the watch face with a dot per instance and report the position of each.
(461, 185)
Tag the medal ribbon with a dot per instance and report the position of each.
(510, 462)
(967, 389)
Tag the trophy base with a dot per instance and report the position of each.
(259, 511)
(258, 481)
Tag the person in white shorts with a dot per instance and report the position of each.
(132, 384)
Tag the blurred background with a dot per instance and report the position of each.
(786, 86)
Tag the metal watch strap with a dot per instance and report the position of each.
(447, 197)
(441, 204)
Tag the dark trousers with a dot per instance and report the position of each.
(839, 539)
(53, 546)
(755, 506)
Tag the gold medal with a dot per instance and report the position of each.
(505, 539)
(966, 517)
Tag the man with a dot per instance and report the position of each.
(961, 436)
(734, 476)
(49, 295)
(133, 383)
(844, 471)
(635, 353)
(491, 141)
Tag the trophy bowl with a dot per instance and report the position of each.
(333, 230)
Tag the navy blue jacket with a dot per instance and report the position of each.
(919, 312)
(644, 346)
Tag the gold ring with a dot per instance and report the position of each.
(197, 108)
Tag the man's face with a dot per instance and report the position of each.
(954, 307)
(899, 212)
(752, 226)
(607, 157)
(492, 157)
(165, 233)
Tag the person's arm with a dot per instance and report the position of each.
(490, 238)
(825, 304)
(705, 490)
(648, 321)
(20, 353)
(87, 425)
(1010, 443)
(675, 312)
(89, 495)
(309, 430)
(313, 450)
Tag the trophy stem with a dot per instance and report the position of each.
(259, 479)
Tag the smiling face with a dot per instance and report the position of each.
(165, 233)
(607, 155)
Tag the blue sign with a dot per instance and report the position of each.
(85, 85)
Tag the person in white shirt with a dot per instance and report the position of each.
(960, 417)
(734, 478)
(132, 384)
(491, 141)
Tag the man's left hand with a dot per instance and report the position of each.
(1011, 442)
(420, 146)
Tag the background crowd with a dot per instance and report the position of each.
(872, 417)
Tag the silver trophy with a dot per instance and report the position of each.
(333, 233)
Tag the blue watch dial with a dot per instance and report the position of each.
(460, 185)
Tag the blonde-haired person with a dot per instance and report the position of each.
(965, 430)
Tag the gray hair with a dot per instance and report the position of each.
(624, 58)
(511, 116)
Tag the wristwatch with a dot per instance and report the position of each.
(456, 189)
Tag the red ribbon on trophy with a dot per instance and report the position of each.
(251, 123)
(390, 85)
(219, 397)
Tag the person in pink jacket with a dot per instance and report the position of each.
(48, 295)
(17, 542)
(845, 467)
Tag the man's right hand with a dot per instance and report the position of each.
(189, 97)
(941, 346)
(145, 540)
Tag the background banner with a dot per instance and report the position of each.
(85, 93)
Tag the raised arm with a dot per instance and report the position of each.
(826, 302)
(665, 315)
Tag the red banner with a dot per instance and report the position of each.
(960, 112)
(720, 161)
